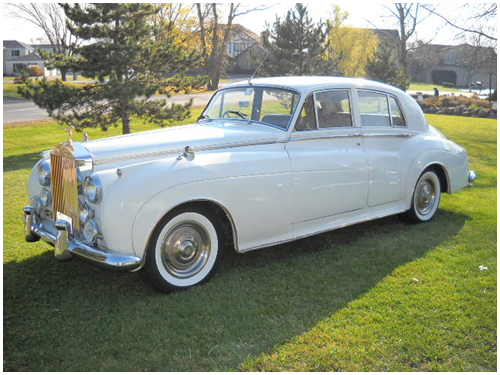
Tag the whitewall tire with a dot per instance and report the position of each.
(183, 250)
(426, 198)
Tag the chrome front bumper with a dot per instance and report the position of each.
(66, 247)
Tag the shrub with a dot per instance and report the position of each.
(34, 70)
(455, 101)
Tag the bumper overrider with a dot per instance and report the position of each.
(67, 247)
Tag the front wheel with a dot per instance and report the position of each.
(426, 198)
(183, 250)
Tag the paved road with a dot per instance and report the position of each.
(21, 110)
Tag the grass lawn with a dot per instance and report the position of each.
(419, 86)
(379, 296)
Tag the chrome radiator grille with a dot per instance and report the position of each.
(65, 189)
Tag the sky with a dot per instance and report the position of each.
(361, 14)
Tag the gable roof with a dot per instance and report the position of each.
(237, 28)
(32, 57)
(15, 44)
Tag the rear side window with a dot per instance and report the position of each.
(373, 108)
(379, 109)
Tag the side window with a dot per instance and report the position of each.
(396, 114)
(334, 109)
(307, 116)
(373, 109)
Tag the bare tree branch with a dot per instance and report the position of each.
(491, 11)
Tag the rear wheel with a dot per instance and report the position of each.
(426, 198)
(183, 250)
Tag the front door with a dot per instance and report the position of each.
(328, 162)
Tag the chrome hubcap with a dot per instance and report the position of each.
(425, 197)
(185, 250)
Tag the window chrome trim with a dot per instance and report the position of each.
(252, 86)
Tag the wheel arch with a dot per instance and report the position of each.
(220, 212)
(444, 178)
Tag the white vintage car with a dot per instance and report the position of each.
(269, 161)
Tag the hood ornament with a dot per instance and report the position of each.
(69, 142)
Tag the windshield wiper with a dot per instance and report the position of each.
(239, 113)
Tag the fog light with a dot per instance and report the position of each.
(86, 213)
(91, 232)
(45, 198)
(36, 202)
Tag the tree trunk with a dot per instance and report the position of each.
(125, 122)
(63, 74)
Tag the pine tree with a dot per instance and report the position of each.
(296, 44)
(383, 67)
(128, 63)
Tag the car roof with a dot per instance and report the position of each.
(306, 84)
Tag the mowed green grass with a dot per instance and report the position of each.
(420, 86)
(383, 295)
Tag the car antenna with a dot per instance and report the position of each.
(256, 70)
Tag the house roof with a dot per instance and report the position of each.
(387, 34)
(42, 46)
(15, 44)
(32, 57)
(237, 28)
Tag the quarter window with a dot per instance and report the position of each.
(396, 114)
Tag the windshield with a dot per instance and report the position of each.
(271, 106)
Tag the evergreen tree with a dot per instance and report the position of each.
(296, 45)
(130, 65)
(383, 67)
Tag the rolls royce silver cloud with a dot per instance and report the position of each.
(269, 160)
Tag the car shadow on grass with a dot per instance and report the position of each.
(72, 316)
(24, 161)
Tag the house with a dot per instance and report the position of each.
(244, 47)
(17, 56)
(454, 65)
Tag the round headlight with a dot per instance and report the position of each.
(45, 197)
(43, 171)
(92, 189)
(91, 232)
(86, 213)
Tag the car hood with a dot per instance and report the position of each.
(200, 137)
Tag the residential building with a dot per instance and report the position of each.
(244, 48)
(17, 56)
(454, 65)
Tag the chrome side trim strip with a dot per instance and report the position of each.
(180, 151)
(325, 136)
(387, 135)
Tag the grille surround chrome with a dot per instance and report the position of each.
(65, 186)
